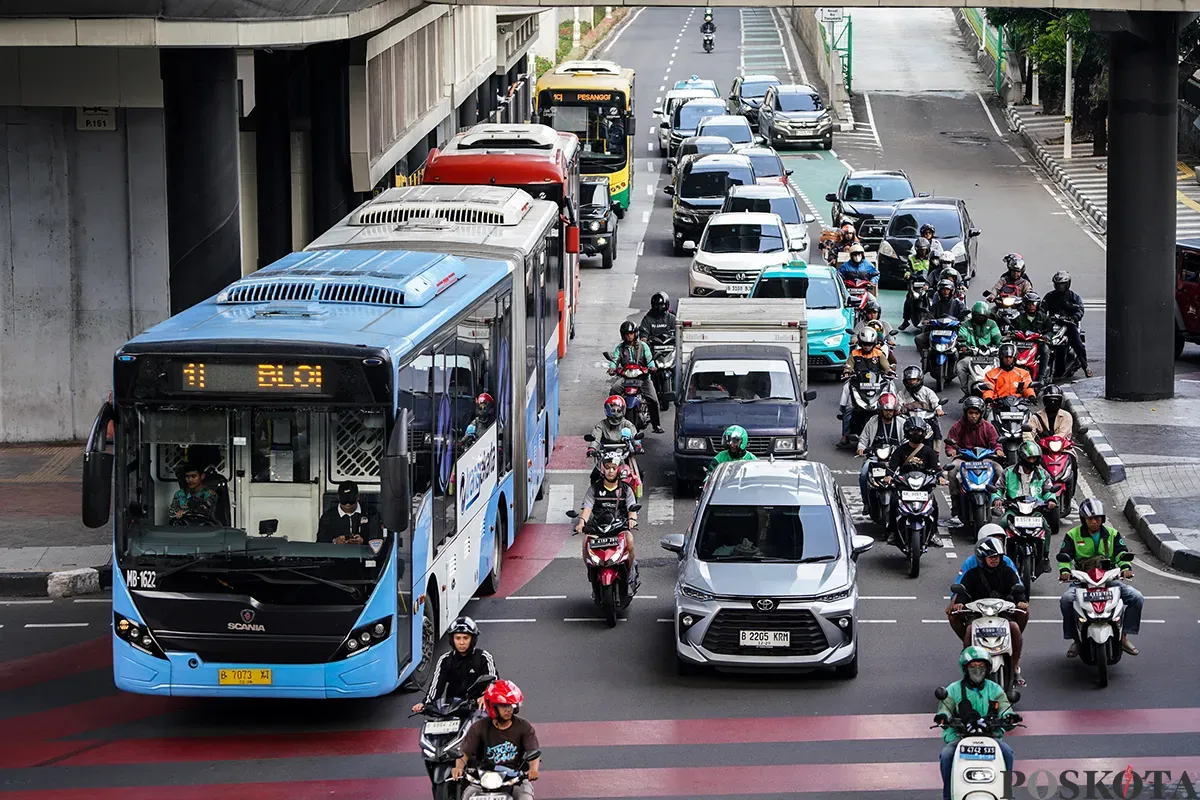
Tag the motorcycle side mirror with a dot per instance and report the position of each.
(1014, 696)
(455, 752)
(958, 588)
(944, 401)
(639, 435)
(532, 755)
(482, 680)
(940, 693)
(635, 508)
(893, 331)
(607, 355)
(572, 513)
(587, 437)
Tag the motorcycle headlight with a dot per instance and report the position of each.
(1055, 446)
(491, 780)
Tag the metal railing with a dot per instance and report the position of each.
(843, 43)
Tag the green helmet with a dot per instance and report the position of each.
(1029, 450)
(973, 653)
(735, 433)
(980, 309)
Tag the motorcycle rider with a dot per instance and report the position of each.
(615, 429)
(1053, 419)
(658, 330)
(886, 427)
(973, 696)
(914, 450)
(990, 577)
(1033, 320)
(708, 26)
(886, 343)
(1028, 478)
(917, 396)
(989, 531)
(872, 313)
(946, 304)
(977, 332)
(970, 432)
(847, 238)
(870, 355)
(734, 442)
(1091, 539)
(610, 496)
(632, 351)
(928, 233)
(1062, 302)
(1004, 380)
(457, 670)
(1013, 281)
(503, 739)
(918, 260)
(485, 415)
(858, 268)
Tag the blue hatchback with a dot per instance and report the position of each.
(829, 315)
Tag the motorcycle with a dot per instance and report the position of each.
(664, 376)
(975, 773)
(881, 493)
(447, 720)
(1005, 310)
(496, 781)
(860, 292)
(865, 388)
(976, 476)
(607, 560)
(980, 360)
(1058, 457)
(1063, 361)
(943, 347)
(989, 629)
(1010, 415)
(632, 381)
(708, 42)
(1028, 344)
(916, 301)
(1028, 537)
(629, 474)
(916, 514)
(1099, 611)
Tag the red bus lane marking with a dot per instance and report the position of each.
(64, 662)
(738, 781)
(870, 727)
(570, 452)
(532, 551)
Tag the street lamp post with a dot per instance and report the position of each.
(575, 29)
(1068, 103)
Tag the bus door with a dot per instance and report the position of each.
(284, 481)
(535, 338)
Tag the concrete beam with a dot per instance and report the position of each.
(1064, 5)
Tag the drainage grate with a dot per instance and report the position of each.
(809, 156)
(967, 137)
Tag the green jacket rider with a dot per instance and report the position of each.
(1080, 545)
(734, 440)
(1041, 485)
(979, 694)
(979, 330)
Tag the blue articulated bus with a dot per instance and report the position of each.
(235, 423)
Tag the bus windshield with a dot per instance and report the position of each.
(603, 137)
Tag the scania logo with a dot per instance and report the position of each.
(765, 604)
(247, 623)
(247, 615)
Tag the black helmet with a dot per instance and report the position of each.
(1008, 350)
(1013, 261)
(627, 328)
(922, 245)
(973, 402)
(1052, 398)
(986, 549)
(914, 430)
(465, 625)
(1032, 297)
(872, 305)
(660, 302)
(1061, 280)
(1091, 509)
(946, 283)
(912, 373)
(927, 228)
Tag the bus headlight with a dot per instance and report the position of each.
(137, 636)
(364, 637)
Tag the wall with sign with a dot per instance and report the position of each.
(83, 252)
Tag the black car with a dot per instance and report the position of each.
(952, 228)
(598, 216)
(699, 190)
(746, 95)
(866, 198)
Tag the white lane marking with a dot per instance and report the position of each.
(884, 597)
(650, 146)
(796, 51)
(846, 164)
(635, 282)
(657, 103)
(25, 602)
(877, 621)
(670, 61)
(671, 620)
(662, 88)
(644, 597)
(662, 506)
(535, 597)
(653, 130)
(650, 166)
(93, 600)
(562, 500)
(741, 42)
(590, 619)
(628, 22)
(1143, 565)
(1017, 153)
(57, 624)
(871, 120)
(951, 555)
(938, 621)
(641, 246)
(506, 620)
(988, 111)
(649, 193)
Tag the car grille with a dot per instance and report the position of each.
(723, 635)
(759, 445)
(731, 275)
(820, 361)
(871, 229)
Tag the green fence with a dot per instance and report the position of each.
(993, 41)
(843, 42)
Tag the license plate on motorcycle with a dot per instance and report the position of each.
(990, 633)
(441, 727)
(878, 472)
(978, 752)
(603, 542)
(765, 639)
(1012, 415)
(493, 796)
(1097, 596)
(738, 289)
(1027, 522)
(914, 497)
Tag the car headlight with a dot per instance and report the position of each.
(692, 593)
(833, 340)
(594, 225)
(833, 597)
(784, 444)
(886, 249)
(698, 443)
(703, 269)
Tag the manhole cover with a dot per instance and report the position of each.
(967, 137)
(810, 156)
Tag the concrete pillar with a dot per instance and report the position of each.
(200, 114)
(468, 111)
(273, 149)
(1143, 124)
(333, 195)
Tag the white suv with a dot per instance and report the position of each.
(733, 249)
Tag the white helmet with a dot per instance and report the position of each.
(988, 531)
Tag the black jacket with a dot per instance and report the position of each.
(365, 523)
(927, 455)
(982, 583)
(455, 673)
(708, 27)
(941, 308)
(658, 330)
(1065, 304)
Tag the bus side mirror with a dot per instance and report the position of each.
(98, 471)
(395, 478)
(572, 238)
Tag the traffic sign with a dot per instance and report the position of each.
(832, 14)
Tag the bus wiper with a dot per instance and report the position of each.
(205, 559)
(350, 590)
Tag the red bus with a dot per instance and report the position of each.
(536, 158)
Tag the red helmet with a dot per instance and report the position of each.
(889, 402)
(502, 693)
(484, 403)
(614, 406)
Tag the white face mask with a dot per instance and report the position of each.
(976, 674)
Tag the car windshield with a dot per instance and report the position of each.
(593, 194)
(738, 134)
(688, 117)
(767, 165)
(822, 292)
(785, 207)
(714, 183)
(877, 190)
(795, 101)
(722, 379)
(753, 533)
(757, 89)
(906, 224)
(717, 146)
(742, 239)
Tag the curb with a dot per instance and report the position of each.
(66, 583)
(847, 123)
(1050, 164)
(622, 24)
(1158, 537)
(1103, 456)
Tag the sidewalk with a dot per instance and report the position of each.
(1147, 454)
(44, 547)
(1085, 178)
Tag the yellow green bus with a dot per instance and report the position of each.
(594, 101)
